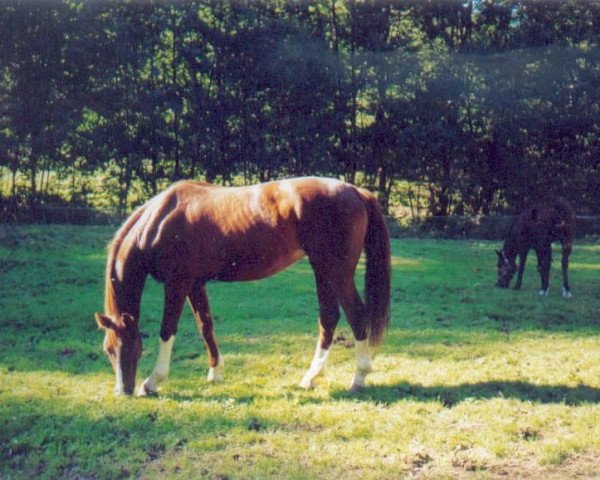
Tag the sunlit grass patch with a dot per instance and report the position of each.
(585, 266)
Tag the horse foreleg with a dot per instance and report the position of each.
(329, 315)
(566, 252)
(174, 300)
(199, 302)
(161, 369)
(544, 257)
(522, 261)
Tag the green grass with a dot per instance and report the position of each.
(471, 381)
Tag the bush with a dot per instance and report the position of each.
(17, 210)
(491, 227)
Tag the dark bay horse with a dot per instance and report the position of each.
(194, 232)
(537, 227)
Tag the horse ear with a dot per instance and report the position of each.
(128, 320)
(104, 322)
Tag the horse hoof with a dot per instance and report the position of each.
(146, 391)
(543, 293)
(148, 387)
(357, 387)
(306, 384)
(214, 376)
(142, 392)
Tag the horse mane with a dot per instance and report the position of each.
(110, 301)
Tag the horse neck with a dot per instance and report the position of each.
(510, 247)
(124, 289)
(125, 273)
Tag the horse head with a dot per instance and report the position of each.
(123, 345)
(506, 269)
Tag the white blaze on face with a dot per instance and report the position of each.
(119, 269)
(119, 387)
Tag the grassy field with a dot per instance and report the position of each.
(470, 382)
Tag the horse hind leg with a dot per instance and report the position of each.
(329, 315)
(566, 252)
(521, 270)
(356, 315)
(544, 256)
(174, 300)
(198, 299)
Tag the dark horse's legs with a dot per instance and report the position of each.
(544, 257)
(566, 252)
(522, 261)
(199, 303)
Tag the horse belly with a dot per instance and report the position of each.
(259, 264)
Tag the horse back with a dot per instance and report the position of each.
(247, 233)
(548, 221)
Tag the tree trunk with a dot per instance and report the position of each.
(33, 175)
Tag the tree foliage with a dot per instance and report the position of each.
(483, 103)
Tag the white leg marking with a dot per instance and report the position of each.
(119, 387)
(317, 366)
(544, 293)
(161, 370)
(566, 293)
(215, 374)
(363, 364)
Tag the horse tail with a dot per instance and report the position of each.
(378, 270)
(110, 295)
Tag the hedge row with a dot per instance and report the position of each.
(492, 227)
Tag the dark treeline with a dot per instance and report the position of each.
(481, 106)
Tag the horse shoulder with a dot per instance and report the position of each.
(165, 215)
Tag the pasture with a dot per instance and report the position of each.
(470, 382)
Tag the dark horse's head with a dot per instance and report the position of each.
(123, 345)
(506, 269)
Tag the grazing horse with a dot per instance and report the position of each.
(195, 232)
(537, 227)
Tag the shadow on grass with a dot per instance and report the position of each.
(56, 439)
(450, 396)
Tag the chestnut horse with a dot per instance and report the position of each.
(195, 232)
(537, 227)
